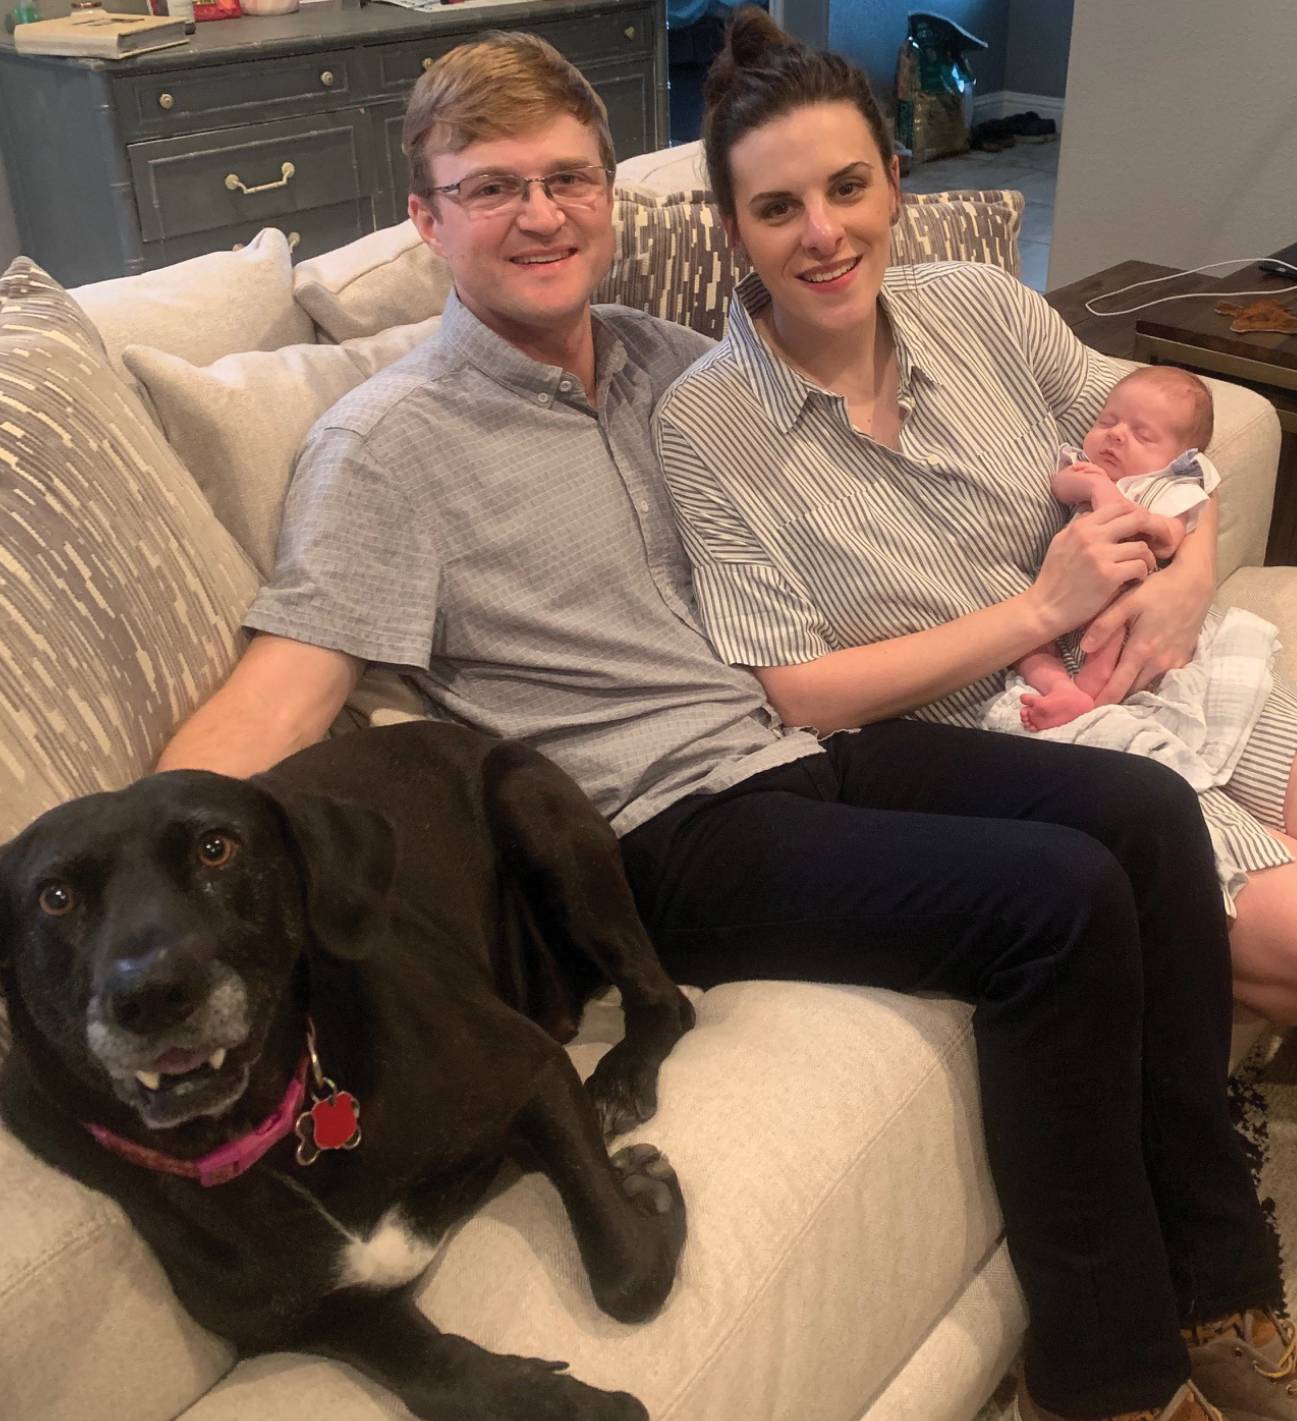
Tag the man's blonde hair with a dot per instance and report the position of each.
(498, 86)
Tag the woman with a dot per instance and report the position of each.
(838, 403)
(825, 563)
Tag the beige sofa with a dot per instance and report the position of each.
(845, 1259)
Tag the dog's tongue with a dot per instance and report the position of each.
(176, 1061)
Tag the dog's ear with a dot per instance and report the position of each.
(346, 854)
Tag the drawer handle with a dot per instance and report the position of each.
(327, 78)
(629, 32)
(236, 184)
(427, 63)
(165, 101)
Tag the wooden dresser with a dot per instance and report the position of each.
(294, 121)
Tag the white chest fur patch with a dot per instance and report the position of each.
(391, 1255)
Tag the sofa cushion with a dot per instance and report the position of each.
(828, 1142)
(120, 593)
(673, 259)
(203, 308)
(239, 423)
(89, 1327)
(966, 225)
(387, 278)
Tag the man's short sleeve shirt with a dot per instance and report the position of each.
(468, 515)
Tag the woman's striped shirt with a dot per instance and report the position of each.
(807, 536)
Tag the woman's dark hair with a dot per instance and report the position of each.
(762, 74)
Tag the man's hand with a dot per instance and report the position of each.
(1162, 618)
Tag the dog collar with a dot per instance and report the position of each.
(229, 1161)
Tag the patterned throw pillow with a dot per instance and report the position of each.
(120, 594)
(960, 226)
(675, 260)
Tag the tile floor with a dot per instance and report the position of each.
(1031, 168)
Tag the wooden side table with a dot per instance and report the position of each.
(1191, 334)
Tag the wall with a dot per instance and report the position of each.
(870, 32)
(1035, 60)
(1179, 142)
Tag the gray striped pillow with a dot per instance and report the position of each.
(675, 261)
(120, 594)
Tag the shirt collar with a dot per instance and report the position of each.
(462, 334)
(782, 390)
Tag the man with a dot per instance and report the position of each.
(487, 516)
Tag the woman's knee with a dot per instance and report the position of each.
(1075, 905)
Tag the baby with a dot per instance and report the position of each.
(1142, 449)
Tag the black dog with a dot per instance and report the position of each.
(409, 919)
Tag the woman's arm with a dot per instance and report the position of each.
(1163, 617)
(1087, 562)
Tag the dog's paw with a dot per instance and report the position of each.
(528, 1389)
(647, 1179)
(623, 1090)
(640, 1285)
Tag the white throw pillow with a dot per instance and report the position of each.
(239, 423)
(203, 308)
(377, 281)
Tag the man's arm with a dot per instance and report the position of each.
(282, 696)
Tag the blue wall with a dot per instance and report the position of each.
(869, 32)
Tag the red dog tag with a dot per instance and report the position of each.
(333, 1121)
(330, 1124)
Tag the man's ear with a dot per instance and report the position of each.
(346, 857)
(426, 221)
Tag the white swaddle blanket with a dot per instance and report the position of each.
(1197, 721)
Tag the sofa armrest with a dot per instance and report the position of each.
(1245, 448)
(89, 1327)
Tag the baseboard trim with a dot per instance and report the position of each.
(1002, 102)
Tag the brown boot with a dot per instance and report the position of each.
(1186, 1405)
(1247, 1365)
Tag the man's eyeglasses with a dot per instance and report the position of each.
(489, 194)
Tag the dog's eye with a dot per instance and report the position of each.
(216, 850)
(57, 899)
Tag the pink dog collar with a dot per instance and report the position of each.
(228, 1162)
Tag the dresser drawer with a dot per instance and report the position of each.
(310, 234)
(246, 175)
(397, 67)
(188, 100)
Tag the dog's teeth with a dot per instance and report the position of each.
(150, 1080)
(217, 1059)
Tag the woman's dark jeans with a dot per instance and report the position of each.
(1071, 896)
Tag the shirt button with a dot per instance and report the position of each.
(565, 385)
(542, 399)
(643, 505)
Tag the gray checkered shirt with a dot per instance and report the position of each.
(468, 516)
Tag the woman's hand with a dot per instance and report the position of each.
(1161, 619)
(1088, 563)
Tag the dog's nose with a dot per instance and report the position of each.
(149, 993)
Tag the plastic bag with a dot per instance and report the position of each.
(934, 86)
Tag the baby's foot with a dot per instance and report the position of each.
(1057, 707)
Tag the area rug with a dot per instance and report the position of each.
(1263, 1098)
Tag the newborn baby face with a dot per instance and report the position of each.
(1143, 426)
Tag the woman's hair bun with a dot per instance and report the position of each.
(751, 42)
(752, 37)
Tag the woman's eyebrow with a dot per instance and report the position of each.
(832, 178)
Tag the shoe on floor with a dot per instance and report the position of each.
(1186, 1405)
(1031, 128)
(993, 135)
(1249, 1369)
